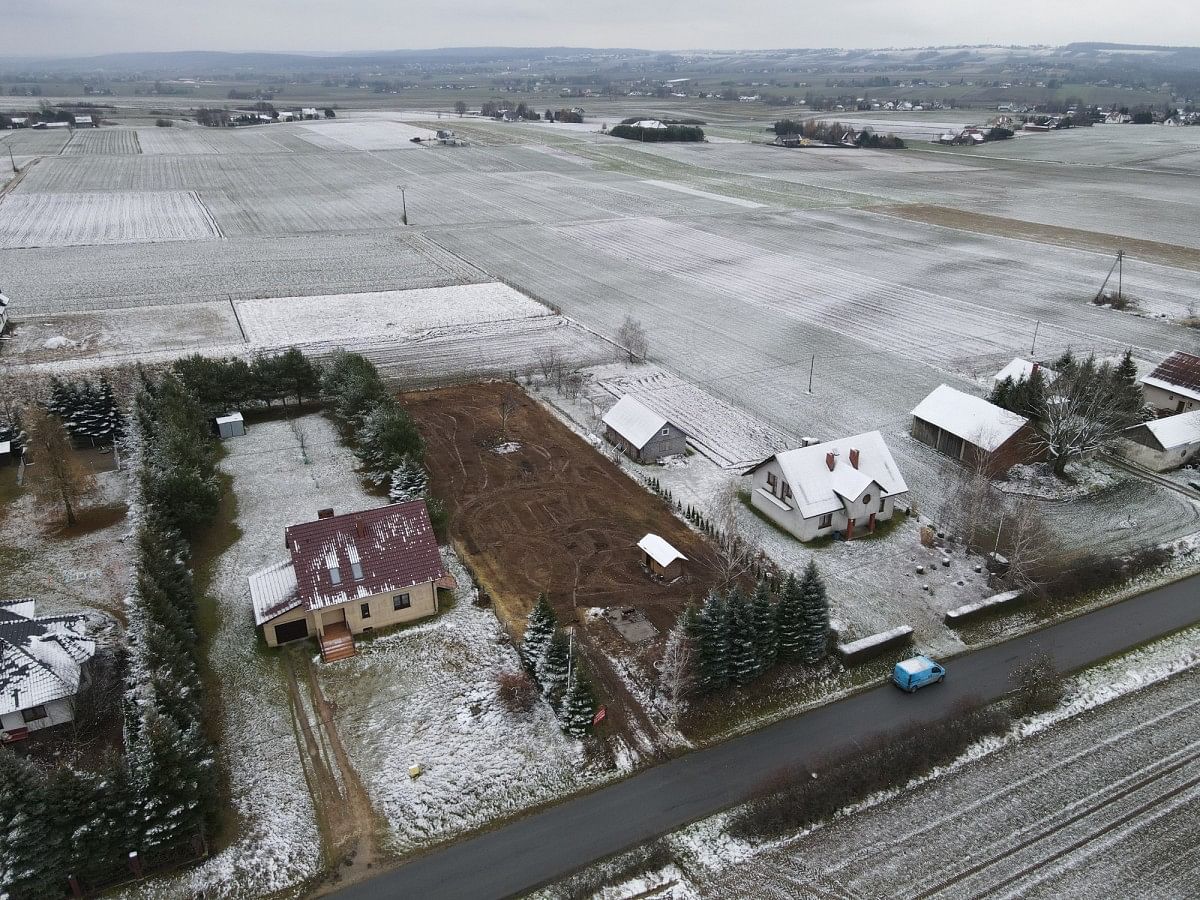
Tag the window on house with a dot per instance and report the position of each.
(787, 490)
(356, 570)
(34, 713)
(364, 610)
(401, 601)
(771, 481)
(335, 575)
(882, 503)
(826, 521)
(666, 432)
(866, 499)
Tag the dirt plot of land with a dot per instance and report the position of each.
(553, 515)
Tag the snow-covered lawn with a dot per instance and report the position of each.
(64, 220)
(387, 314)
(427, 695)
(364, 135)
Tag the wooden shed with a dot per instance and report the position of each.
(660, 558)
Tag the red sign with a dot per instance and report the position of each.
(599, 716)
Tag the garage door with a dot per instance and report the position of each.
(291, 631)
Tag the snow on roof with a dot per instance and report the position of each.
(914, 665)
(818, 490)
(648, 123)
(5, 448)
(1176, 431)
(394, 544)
(229, 417)
(273, 591)
(874, 640)
(41, 659)
(633, 421)
(1020, 369)
(1179, 372)
(971, 418)
(659, 550)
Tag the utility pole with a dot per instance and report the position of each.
(811, 365)
(403, 206)
(1120, 272)
(12, 161)
(1033, 346)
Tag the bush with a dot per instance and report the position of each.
(671, 133)
(516, 691)
(800, 797)
(164, 123)
(1039, 687)
(1094, 573)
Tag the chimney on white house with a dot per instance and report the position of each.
(854, 457)
(831, 459)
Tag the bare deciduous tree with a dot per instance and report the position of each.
(1080, 414)
(675, 670)
(58, 475)
(508, 406)
(460, 107)
(632, 338)
(735, 554)
(1026, 541)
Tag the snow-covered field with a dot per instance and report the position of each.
(427, 695)
(102, 141)
(368, 135)
(386, 314)
(63, 220)
(1094, 798)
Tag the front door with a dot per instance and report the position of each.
(332, 617)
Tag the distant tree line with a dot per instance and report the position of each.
(668, 134)
(827, 132)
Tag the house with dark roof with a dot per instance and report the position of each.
(43, 666)
(847, 486)
(349, 574)
(1174, 385)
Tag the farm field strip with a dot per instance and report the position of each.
(292, 320)
(727, 435)
(129, 275)
(102, 142)
(63, 220)
(363, 135)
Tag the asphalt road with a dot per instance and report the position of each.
(548, 845)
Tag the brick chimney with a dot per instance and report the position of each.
(831, 460)
(854, 457)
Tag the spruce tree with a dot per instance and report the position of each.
(742, 639)
(539, 628)
(578, 706)
(409, 481)
(815, 605)
(1002, 393)
(789, 621)
(553, 669)
(766, 634)
(32, 853)
(1127, 391)
(712, 645)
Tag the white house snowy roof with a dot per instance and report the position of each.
(1020, 369)
(1175, 431)
(971, 418)
(818, 490)
(633, 421)
(659, 550)
(273, 591)
(41, 659)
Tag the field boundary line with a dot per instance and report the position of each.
(212, 220)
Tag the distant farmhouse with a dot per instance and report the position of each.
(349, 574)
(1174, 386)
(640, 433)
(1163, 444)
(1021, 369)
(43, 666)
(968, 428)
(847, 485)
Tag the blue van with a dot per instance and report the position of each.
(916, 673)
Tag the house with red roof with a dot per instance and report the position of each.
(350, 574)
(1174, 385)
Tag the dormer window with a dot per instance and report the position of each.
(771, 482)
(356, 569)
(335, 574)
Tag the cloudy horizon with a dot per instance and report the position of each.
(62, 28)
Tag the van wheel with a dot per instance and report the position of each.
(941, 679)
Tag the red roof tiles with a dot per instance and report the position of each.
(370, 552)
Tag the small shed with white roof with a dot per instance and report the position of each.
(230, 425)
(1163, 444)
(661, 558)
(968, 428)
(640, 433)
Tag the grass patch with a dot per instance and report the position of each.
(221, 534)
(89, 519)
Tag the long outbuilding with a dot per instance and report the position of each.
(971, 429)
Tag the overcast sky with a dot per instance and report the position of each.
(102, 26)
